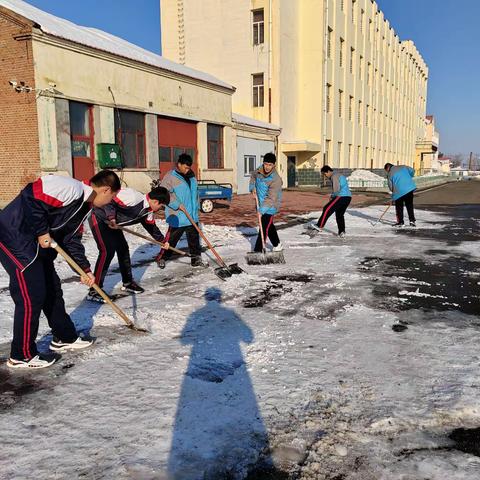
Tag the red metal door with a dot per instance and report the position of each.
(176, 137)
(82, 133)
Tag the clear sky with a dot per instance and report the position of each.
(446, 33)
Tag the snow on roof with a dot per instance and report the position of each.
(252, 122)
(91, 37)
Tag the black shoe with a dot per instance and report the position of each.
(413, 224)
(132, 287)
(197, 262)
(93, 296)
(161, 263)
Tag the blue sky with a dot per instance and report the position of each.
(445, 32)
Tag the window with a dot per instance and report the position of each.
(359, 113)
(339, 152)
(130, 135)
(369, 71)
(340, 103)
(362, 19)
(352, 56)
(367, 114)
(342, 44)
(329, 43)
(215, 146)
(342, 5)
(249, 164)
(353, 11)
(360, 67)
(359, 155)
(350, 108)
(258, 27)
(258, 89)
(350, 156)
(329, 93)
(370, 29)
(81, 129)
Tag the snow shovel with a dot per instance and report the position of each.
(152, 240)
(263, 257)
(383, 214)
(77, 267)
(224, 271)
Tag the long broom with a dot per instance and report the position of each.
(116, 308)
(263, 257)
(382, 215)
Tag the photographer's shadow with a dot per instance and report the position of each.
(218, 425)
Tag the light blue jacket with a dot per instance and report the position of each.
(400, 181)
(269, 190)
(340, 186)
(181, 193)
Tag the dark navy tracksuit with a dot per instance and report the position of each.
(129, 207)
(54, 205)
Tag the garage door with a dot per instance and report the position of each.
(175, 137)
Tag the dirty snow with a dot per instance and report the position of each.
(293, 365)
(366, 175)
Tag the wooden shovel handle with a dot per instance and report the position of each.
(210, 246)
(151, 240)
(383, 214)
(259, 216)
(77, 267)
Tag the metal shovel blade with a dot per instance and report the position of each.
(235, 269)
(222, 273)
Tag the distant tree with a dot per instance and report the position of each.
(457, 160)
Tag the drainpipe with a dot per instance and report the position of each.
(325, 71)
(270, 61)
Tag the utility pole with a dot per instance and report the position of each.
(470, 163)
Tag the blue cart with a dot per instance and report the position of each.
(210, 190)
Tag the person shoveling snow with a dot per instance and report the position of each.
(339, 201)
(266, 186)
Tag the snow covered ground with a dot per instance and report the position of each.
(357, 359)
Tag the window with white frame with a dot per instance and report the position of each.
(258, 26)
(249, 164)
(258, 90)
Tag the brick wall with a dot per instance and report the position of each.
(19, 146)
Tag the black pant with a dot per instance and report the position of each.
(174, 234)
(34, 290)
(269, 231)
(408, 201)
(110, 242)
(339, 206)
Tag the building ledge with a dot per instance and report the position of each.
(300, 146)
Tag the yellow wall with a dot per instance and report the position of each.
(84, 75)
(216, 37)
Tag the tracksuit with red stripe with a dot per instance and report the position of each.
(129, 207)
(338, 204)
(54, 205)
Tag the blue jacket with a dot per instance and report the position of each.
(52, 204)
(400, 181)
(269, 190)
(181, 193)
(340, 186)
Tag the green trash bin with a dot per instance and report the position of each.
(109, 155)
